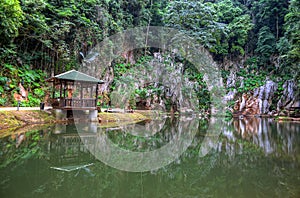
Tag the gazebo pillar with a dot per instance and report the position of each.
(53, 90)
(65, 85)
(91, 91)
(81, 94)
(96, 94)
(60, 89)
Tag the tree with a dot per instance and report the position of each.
(270, 13)
(292, 26)
(239, 25)
(239, 32)
(199, 20)
(11, 16)
(265, 45)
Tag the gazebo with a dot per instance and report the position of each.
(74, 90)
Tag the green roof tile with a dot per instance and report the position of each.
(74, 75)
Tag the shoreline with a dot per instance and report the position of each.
(12, 120)
(16, 119)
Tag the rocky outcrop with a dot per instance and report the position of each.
(260, 100)
(158, 85)
(289, 96)
(23, 96)
(264, 94)
(161, 84)
(108, 78)
(248, 105)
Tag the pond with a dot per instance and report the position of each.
(253, 157)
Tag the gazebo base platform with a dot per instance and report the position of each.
(90, 114)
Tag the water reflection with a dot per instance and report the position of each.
(143, 146)
(77, 145)
(252, 158)
(278, 138)
(67, 149)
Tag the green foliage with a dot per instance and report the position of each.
(199, 20)
(32, 80)
(30, 147)
(51, 35)
(283, 46)
(222, 27)
(39, 92)
(3, 101)
(121, 68)
(132, 101)
(3, 80)
(266, 44)
(239, 31)
(1, 90)
(252, 77)
(54, 33)
(201, 89)
(238, 23)
(142, 93)
(32, 101)
(11, 16)
(270, 13)
(292, 27)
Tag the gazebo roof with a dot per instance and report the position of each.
(74, 75)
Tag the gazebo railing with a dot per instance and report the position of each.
(74, 103)
(77, 102)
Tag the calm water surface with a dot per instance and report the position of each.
(251, 158)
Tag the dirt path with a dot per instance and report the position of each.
(22, 108)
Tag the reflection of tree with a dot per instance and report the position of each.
(142, 136)
(235, 168)
(22, 146)
(127, 151)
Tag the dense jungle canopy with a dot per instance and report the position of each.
(40, 38)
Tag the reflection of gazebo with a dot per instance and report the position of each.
(75, 90)
(67, 146)
(70, 146)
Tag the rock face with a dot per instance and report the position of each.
(264, 94)
(231, 84)
(257, 103)
(248, 105)
(260, 101)
(23, 96)
(161, 85)
(108, 78)
(290, 96)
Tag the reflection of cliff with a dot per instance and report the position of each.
(273, 137)
(150, 135)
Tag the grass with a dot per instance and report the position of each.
(15, 119)
(8, 120)
(121, 117)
